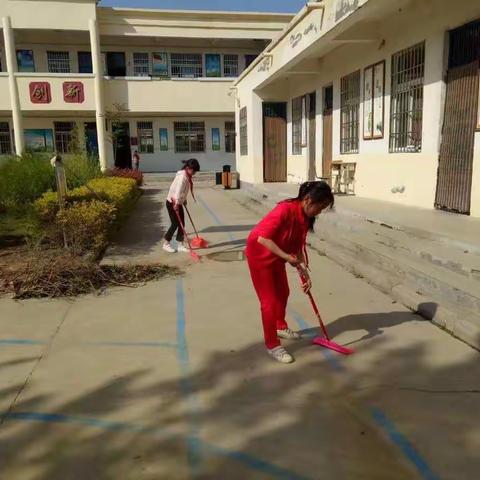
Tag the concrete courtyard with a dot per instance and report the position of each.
(171, 380)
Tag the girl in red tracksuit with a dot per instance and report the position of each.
(278, 239)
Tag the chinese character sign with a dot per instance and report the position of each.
(40, 92)
(73, 92)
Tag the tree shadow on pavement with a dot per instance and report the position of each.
(239, 415)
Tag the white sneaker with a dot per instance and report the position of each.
(182, 248)
(168, 248)
(288, 334)
(281, 355)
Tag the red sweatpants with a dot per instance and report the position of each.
(271, 285)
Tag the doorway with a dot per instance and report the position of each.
(275, 142)
(121, 145)
(327, 132)
(116, 64)
(455, 164)
(91, 139)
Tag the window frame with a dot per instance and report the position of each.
(53, 67)
(230, 137)
(194, 139)
(409, 96)
(179, 69)
(350, 100)
(5, 139)
(63, 138)
(146, 142)
(148, 65)
(297, 125)
(227, 57)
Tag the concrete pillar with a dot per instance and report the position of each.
(11, 61)
(99, 101)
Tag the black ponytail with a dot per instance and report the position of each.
(319, 192)
(191, 163)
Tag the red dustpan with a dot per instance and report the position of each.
(198, 241)
(194, 255)
(325, 340)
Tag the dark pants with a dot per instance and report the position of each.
(175, 226)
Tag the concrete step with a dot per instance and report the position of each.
(202, 179)
(438, 279)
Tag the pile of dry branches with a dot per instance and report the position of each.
(53, 275)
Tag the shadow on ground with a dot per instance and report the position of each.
(259, 418)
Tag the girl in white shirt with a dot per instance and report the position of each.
(177, 197)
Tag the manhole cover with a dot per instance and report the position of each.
(235, 256)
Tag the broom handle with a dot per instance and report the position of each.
(182, 227)
(314, 306)
(191, 221)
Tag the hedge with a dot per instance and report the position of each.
(90, 212)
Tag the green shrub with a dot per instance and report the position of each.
(79, 169)
(122, 192)
(24, 180)
(86, 225)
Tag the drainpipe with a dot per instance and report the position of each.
(12, 83)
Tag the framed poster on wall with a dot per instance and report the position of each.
(373, 101)
(213, 65)
(304, 121)
(215, 139)
(25, 61)
(160, 64)
(163, 139)
(39, 140)
(378, 99)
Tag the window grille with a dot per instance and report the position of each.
(63, 136)
(297, 126)
(406, 107)
(5, 139)
(58, 62)
(145, 137)
(230, 65)
(189, 137)
(230, 137)
(243, 132)
(349, 113)
(186, 65)
(141, 64)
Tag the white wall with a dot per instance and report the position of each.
(168, 161)
(378, 170)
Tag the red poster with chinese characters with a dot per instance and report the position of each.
(40, 92)
(73, 92)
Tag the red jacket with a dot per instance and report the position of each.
(286, 225)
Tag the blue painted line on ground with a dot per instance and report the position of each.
(249, 460)
(132, 344)
(403, 444)
(330, 357)
(186, 386)
(22, 341)
(216, 219)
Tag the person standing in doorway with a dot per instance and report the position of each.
(177, 197)
(280, 238)
(136, 160)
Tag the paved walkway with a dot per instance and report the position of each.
(170, 381)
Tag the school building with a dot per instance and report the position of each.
(122, 80)
(379, 97)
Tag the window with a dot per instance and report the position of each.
(5, 139)
(243, 132)
(189, 137)
(58, 62)
(249, 59)
(408, 67)
(297, 126)
(141, 64)
(145, 137)
(63, 136)
(349, 112)
(186, 65)
(116, 64)
(85, 62)
(230, 65)
(25, 61)
(213, 65)
(230, 137)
